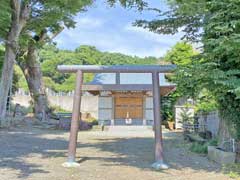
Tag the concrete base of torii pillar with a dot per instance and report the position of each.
(159, 165)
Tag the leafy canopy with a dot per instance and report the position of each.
(181, 54)
(216, 25)
(50, 57)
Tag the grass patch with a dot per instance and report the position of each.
(200, 145)
(198, 148)
(232, 170)
(213, 142)
(58, 109)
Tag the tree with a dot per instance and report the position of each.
(181, 54)
(1, 57)
(50, 57)
(46, 22)
(19, 12)
(46, 17)
(216, 25)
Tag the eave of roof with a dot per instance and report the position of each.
(164, 90)
(116, 68)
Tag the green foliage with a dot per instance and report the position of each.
(216, 25)
(50, 57)
(198, 148)
(232, 170)
(213, 142)
(5, 16)
(186, 116)
(21, 83)
(180, 54)
(167, 110)
(184, 15)
(1, 58)
(206, 102)
(16, 76)
(58, 109)
(202, 148)
(139, 4)
(221, 46)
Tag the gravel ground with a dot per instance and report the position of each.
(37, 154)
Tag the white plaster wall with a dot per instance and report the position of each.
(148, 108)
(105, 114)
(105, 108)
(149, 103)
(105, 102)
(149, 114)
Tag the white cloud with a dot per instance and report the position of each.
(89, 22)
(106, 37)
(113, 42)
(159, 38)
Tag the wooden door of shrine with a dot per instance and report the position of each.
(128, 107)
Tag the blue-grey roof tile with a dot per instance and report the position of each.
(128, 78)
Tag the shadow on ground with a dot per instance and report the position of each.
(16, 146)
(132, 151)
(139, 152)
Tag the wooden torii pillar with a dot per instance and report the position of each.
(158, 164)
(80, 69)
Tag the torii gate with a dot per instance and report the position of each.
(81, 69)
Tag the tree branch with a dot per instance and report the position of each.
(25, 12)
(15, 6)
(56, 33)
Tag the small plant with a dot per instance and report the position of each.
(56, 109)
(213, 142)
(186, 116)
(198, 148)
(232, 170)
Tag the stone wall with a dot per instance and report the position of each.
(211, 121)
(89, 103)
(100, 107)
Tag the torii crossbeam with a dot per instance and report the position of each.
(81, 69)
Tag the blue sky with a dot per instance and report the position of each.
(110, 29)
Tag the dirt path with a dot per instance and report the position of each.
(35, 154)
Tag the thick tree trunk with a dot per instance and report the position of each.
(6, 78)
(33, 75)
(20, 14)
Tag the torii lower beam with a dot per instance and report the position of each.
(80, 69)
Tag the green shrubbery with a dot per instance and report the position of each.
(202, 148)
(232, 170)
(213, 142)
(199, 148)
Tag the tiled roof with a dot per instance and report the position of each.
(128, 78)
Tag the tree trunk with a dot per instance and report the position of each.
(33, 74)
(19, 16)
(6, 78)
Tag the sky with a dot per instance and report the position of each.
(110, 29)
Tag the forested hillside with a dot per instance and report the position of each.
(51, 56)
